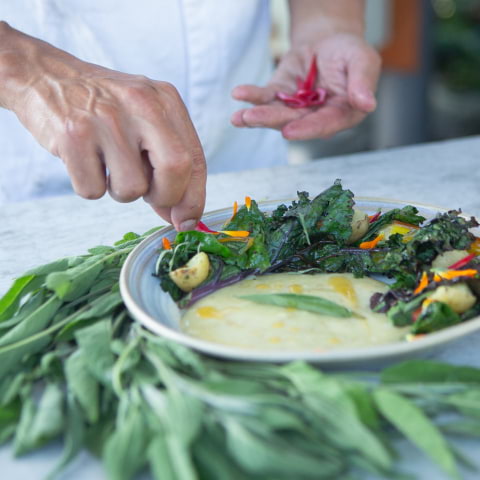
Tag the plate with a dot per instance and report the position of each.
(156, 311)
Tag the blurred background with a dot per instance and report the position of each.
(430, 84)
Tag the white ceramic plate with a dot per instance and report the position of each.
(155, 310)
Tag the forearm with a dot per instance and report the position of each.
(314, 19)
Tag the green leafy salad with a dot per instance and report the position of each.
(432, 267)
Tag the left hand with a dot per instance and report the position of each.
(348, 68)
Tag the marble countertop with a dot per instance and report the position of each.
(445, 174)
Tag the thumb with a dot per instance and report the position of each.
(363, 72)
(254, 94)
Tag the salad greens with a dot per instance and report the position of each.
(315, 235)
(75, 366)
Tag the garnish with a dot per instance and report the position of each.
(423, 284)
(373, 243)
(166, 243)
(462, 262)
(201, 227)
(309, 303)
(306, 94)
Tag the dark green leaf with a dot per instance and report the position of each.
(436, 316)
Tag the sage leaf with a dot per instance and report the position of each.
(412, 422)
(337, 413)
(9, 302)
(49, 418)
(74, 282)
(73, 437)
(159, 459)
(273, 456)
(56, 266)
(125, 450)
(94, 341)
(33, 323)
(309, 303)
(427, 371)
(38, 425)
(83, 385)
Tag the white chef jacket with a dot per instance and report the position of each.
(203, 47)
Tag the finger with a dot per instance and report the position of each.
(254, 94)
(268, 116)
(177, 188)
(363, 72)
(86, 172)
(128, 177)
(323, 123)
(186, 214)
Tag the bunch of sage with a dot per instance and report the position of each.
(75, 365)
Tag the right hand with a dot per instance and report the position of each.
(125, 133)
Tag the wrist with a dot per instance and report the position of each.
(313, 20)
(14, 61)
(315, 31)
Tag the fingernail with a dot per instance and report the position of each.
(187, 225)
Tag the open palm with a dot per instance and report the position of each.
(348, 68)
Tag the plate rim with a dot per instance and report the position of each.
(382, 352)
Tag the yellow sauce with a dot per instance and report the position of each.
(224, 318)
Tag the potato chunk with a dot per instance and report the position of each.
(359, 225)
(458, 297)
(445, 259)
(193, 273)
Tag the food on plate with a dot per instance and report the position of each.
(431, 268)
(192, 274)
(247, 315)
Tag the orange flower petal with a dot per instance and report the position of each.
(235, 233)
(422, 285)
(372, 244)
(166, 243)
(450, 274)
(248, 202)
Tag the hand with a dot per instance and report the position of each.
(125, 133)
(348, 68)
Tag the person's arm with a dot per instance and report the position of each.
(348, 69)
(125, 133)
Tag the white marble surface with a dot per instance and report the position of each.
(31, 233)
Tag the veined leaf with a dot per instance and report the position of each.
(309, 303)
(417, 427)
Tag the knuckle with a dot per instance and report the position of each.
(130, 192)
(180, 164)
(78, 130)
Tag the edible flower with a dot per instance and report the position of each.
(306, 95)
(374, 217)
(451, 274)
(422, 285)
(201, 227)
(235, 210)
(475, 247)
(248, 202)
(166, 243)
(373, 243)
(462, 262)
